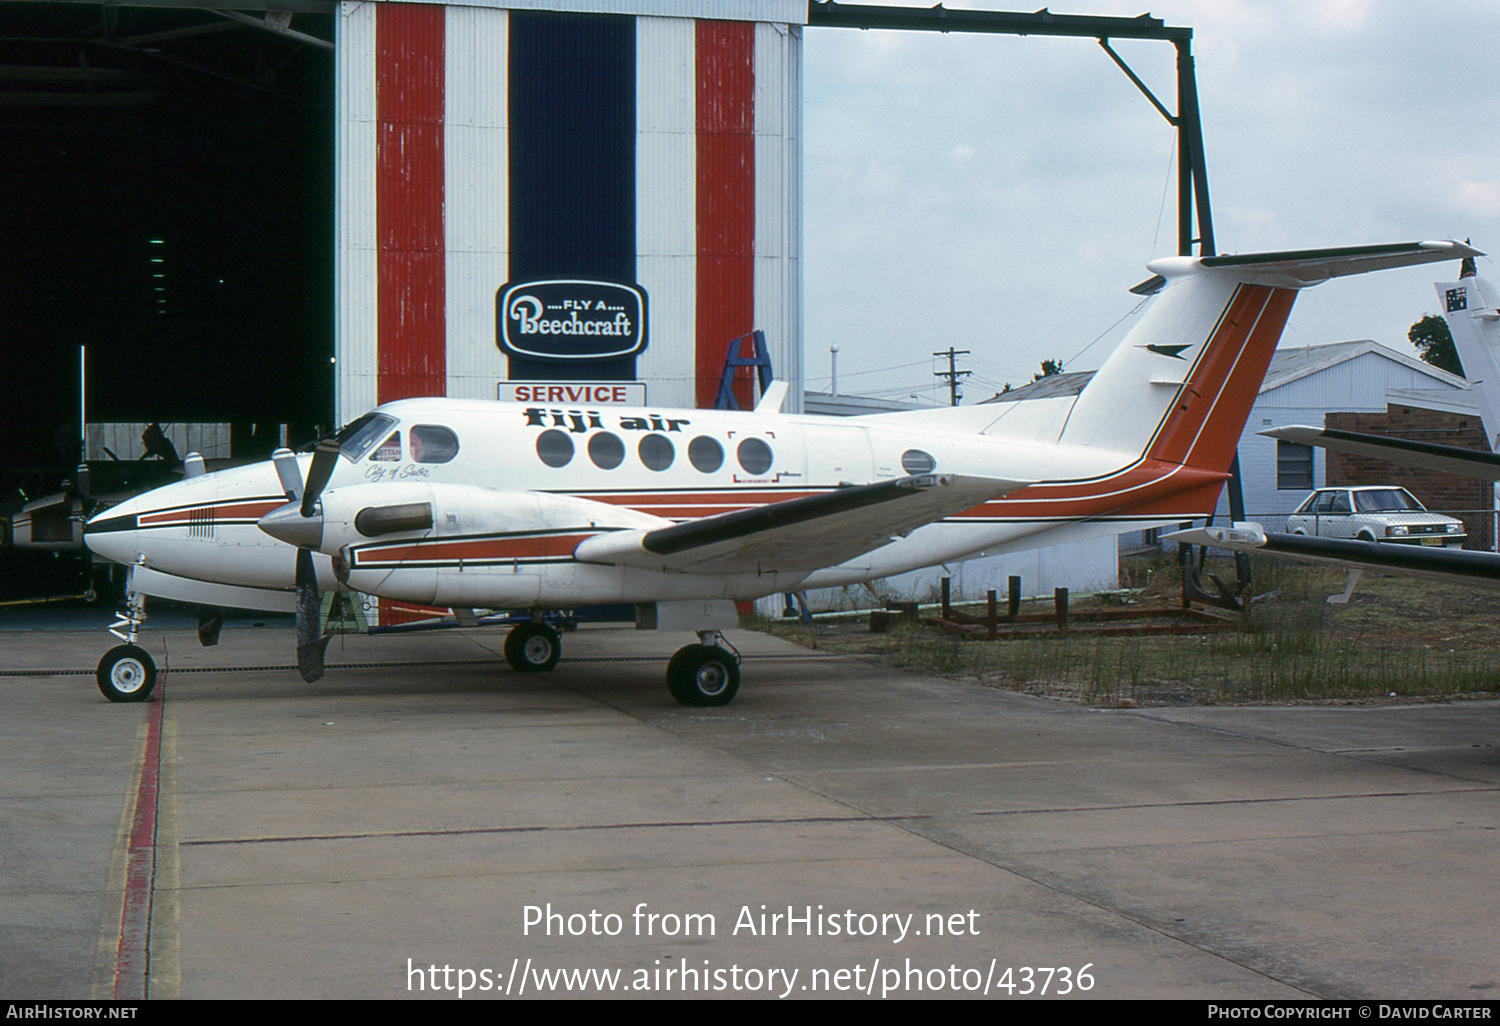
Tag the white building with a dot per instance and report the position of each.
(1301, 387)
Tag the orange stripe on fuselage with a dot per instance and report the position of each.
(247, 511)
(1147, 488)
(468, 550)
(1205, 422)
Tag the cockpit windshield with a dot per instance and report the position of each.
(359, 436)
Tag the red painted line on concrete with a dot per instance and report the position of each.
(133, 952)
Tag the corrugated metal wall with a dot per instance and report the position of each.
(428, 214)
(666, 193)
(778, 199)
(478, 195)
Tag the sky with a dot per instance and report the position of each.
(1000, 194)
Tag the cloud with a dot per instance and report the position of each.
(1002, 193)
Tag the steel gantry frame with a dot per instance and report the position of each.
(1192, 169)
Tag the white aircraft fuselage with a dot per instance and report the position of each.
(475, 504)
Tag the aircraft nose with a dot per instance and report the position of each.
(112, 534)
(287, 524)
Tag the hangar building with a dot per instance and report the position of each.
(604, 191)
(281, 212)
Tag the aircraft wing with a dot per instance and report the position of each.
(1448, 458)
(796, 535)
(1481, 569)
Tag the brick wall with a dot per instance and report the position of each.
(1452, 494)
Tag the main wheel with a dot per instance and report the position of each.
(532, 647)
(703, 675)
(126, 674)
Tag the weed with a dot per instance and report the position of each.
(1397, 637)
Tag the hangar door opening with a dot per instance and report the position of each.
(168, 175)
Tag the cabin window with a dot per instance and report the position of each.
(606, 450)
(388, 451)
(555, 448)
(432, 443)
(1294, 466)
(656, 452)
(754, 455)
(915, 461)
(705, 454)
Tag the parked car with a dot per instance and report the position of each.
(1383, 513)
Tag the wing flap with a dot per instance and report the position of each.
(796, 535)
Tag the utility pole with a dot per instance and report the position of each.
(833, 388)
(953, 375)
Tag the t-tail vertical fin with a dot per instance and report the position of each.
(1179, 388)
(1471, 307)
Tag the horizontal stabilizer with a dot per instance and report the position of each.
(797, 535)
(1299, 268)
(1450, 459)
(1463, 566)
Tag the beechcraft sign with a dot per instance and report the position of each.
(566, 320)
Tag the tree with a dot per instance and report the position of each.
(1049, 368)
(1435, 344)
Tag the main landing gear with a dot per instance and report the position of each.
(127, 672)
(533, 647)
(705, 674)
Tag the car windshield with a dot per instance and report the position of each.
(1385, 500)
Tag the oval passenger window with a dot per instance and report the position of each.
(555, 448)
(433, 443)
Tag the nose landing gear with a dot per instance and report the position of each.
(127, 672)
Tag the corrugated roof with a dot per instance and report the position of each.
(1288, 365)
(1050, 387)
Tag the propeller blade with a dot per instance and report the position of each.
(311, 641)
(285, 462)
(325, 458)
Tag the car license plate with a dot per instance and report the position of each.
(1432, 541)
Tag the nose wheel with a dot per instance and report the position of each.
(126, 674)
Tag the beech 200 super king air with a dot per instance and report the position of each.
(488, 505)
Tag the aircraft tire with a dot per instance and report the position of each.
(703, 675)
(532, 648)
(126, 674)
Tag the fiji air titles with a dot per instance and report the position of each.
(581, 421)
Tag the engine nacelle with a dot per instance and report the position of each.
(458, 545)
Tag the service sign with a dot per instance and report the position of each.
(574, 393)
(565, 320)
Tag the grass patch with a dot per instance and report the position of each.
(1397, 639)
